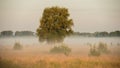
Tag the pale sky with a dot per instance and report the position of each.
(87, 15)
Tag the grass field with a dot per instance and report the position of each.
(40, 57)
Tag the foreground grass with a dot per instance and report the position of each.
(63, 62)
(40, 57)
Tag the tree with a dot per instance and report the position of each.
(115, 33)
(6, 33)
(101, 34)
(54, 25)
(24, 33)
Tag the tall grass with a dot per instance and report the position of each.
(69, 63)
(9, 64)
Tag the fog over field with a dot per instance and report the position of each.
(35, 54)
(68, 40)
(59, 33)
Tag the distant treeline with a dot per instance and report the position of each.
(85, 34)
(98, 34)
(17, 33)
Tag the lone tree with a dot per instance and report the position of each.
(54, 25)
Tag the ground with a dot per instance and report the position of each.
(38, 56)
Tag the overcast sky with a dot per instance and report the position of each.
(87, 15)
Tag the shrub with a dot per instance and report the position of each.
(118, 44)
(61, 49)
(98, 50)
(94, 51)
(102, 47)
(17, 46)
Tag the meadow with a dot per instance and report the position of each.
(39, 56)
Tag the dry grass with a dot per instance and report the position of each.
(39, 57)
(61, 61)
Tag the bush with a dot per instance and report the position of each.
(98, 50)
(17, 46)
(118, 44)
(102, 47)
(61, 49)
(94, 51)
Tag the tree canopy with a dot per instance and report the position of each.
(24, 33)
(54, 25)
(6, 33)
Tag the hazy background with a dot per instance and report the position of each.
(88, 15)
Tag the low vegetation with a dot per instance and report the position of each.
(17, 46)
(118, 44)
(9, 64)
(102, 47)
(67, 63)
(61, 49)
(94, 51)
(97, 50)
(39, 60)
